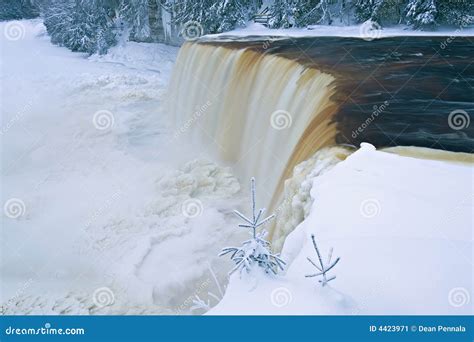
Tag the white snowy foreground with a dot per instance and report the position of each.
(104, 213)
(101, 212)
(403, 230)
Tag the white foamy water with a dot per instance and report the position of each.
(97, 194)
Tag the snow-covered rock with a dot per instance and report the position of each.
(403, 229)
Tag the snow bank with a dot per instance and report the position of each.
(365, 31)
(143, 56)
(403, 229)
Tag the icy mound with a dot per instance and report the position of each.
(403, 229)
(134, 248)
(177, 234)
(297, 201)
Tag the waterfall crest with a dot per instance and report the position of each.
(262, 113)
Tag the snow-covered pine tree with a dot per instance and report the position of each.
(384, 12)
(422, 13)
(80, 25)
(301, 13)
(95, 25)
(255, 252)
(214, 16)
(135, 15)
(282, 14)
(459, 13)
(18, 9)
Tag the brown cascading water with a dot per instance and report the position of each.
(265, 106)
(263, 113)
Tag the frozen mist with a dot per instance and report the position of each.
(98, 204)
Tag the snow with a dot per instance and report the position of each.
(365, 31)
(403, 230)
(105, 201)
(108, 203)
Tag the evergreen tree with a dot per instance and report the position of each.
(214, 16)
(457, 13)
(80, 25)
(384, 12)
(94, 25)
(18, 9)
(301, 13)
(421, 13)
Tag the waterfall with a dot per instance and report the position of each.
(261, 113)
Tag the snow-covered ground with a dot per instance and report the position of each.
(403, 228)
(368, 30)
(104, 212)
(97, 203)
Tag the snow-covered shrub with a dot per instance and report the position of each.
(323, 268)
(255, 251)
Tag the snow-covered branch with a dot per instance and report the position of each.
(323, 268)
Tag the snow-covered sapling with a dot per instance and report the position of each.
(255, 251)
(322, 268)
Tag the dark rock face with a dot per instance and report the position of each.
(392, 91)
